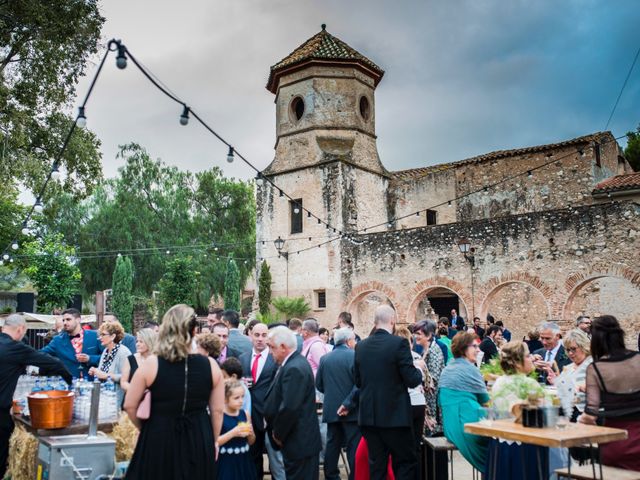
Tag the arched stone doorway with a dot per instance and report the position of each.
(436, 297)
(606, 295)
(520, 305)
(362, 302)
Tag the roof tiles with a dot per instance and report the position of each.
(627, 181)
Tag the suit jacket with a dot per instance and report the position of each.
(479, 331)
(14, 358)
(459, 321)
(489, 348)
(562, 360)
(239, 342)
(129, 341)
(336, 380)
(61, 348)
(259, 389)
(383, 372)
(290, 409)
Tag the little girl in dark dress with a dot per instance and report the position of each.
(234, 460)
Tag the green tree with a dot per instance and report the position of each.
(178, 283)
(291, 307)
(632, 152)
(50, 265)
(264, 288)
(151, 208)
(45, 49)
(232, 287)
(122, 300)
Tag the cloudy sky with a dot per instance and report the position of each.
(463, 77)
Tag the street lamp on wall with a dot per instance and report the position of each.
(469, 255)
(279, 244)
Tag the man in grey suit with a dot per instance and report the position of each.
(290, 408)
(237, 340)
(335, 379)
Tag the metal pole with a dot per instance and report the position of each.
(473, 295)
(95, 405)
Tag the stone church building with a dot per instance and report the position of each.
(552, 231)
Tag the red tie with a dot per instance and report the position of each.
(254, 367)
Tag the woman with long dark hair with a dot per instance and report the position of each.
(613, 391)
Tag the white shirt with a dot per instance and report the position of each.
(262, 360)
(287, 357)
(550, 355)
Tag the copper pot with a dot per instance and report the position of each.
(53, 410)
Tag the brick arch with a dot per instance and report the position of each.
(494, 285)
(366, 288)
(422, 288)
(574, 282)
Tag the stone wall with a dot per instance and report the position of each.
(553, 254)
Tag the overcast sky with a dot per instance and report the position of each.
(462, 77)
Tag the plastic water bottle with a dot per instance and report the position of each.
(61, 384)
(109, 386)
(37, 387)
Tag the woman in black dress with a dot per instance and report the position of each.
(178, 441)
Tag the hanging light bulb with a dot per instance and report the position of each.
(55, 172)
(15, 245)
(259, 180)
(1, 262)
(296, 210)
(230, 155)
(529, 174)
(121, 59)
(5, 256)
(38, 206)
(184, 118)
(449, 203)
(11, 260)
(81, 120)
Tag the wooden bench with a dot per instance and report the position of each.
(585, 472)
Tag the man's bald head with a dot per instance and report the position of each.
(259, 335)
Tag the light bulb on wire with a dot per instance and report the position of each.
(184, 118)
(230, 155)
(121, 58)
(81, 120)
(25, 229)
(55, 172)
(38, 206)
(5, 256)
(15, 246)
(296, 210)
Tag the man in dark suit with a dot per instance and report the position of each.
(489, 344)
(14, 358)
(384, 369)
(222, 331)
(260, 366)
(335, 379)
(480, 332)
(290, 408)
(455, 320)
(78, 349)
(553, 351)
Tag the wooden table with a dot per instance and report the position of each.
(574, 435)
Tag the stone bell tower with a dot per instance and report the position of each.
(326, 158)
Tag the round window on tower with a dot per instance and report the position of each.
(365, 109)
(296, 109)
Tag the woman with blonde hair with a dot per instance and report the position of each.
(178, 440)
(145, 343)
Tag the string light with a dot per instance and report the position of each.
(121, 58)
(184, 118)
(25, 228)
(38, 206)
(259, 180)
(81, 119)
(230, 155)
(55, 171)
(15, 245)
(530, 174)
(5, 256)
(296, 210)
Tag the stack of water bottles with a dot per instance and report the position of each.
(108, 409)
(28, 384)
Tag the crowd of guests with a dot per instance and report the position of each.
(212, 399)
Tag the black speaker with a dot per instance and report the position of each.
(25, 302)
(76, 302)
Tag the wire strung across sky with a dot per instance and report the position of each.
(121, 61)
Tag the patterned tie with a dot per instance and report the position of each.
(254, 367)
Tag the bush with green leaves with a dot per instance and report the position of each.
(232, 286)
(295, 307)
(122, 296)
(264, 288)
(178, 284)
